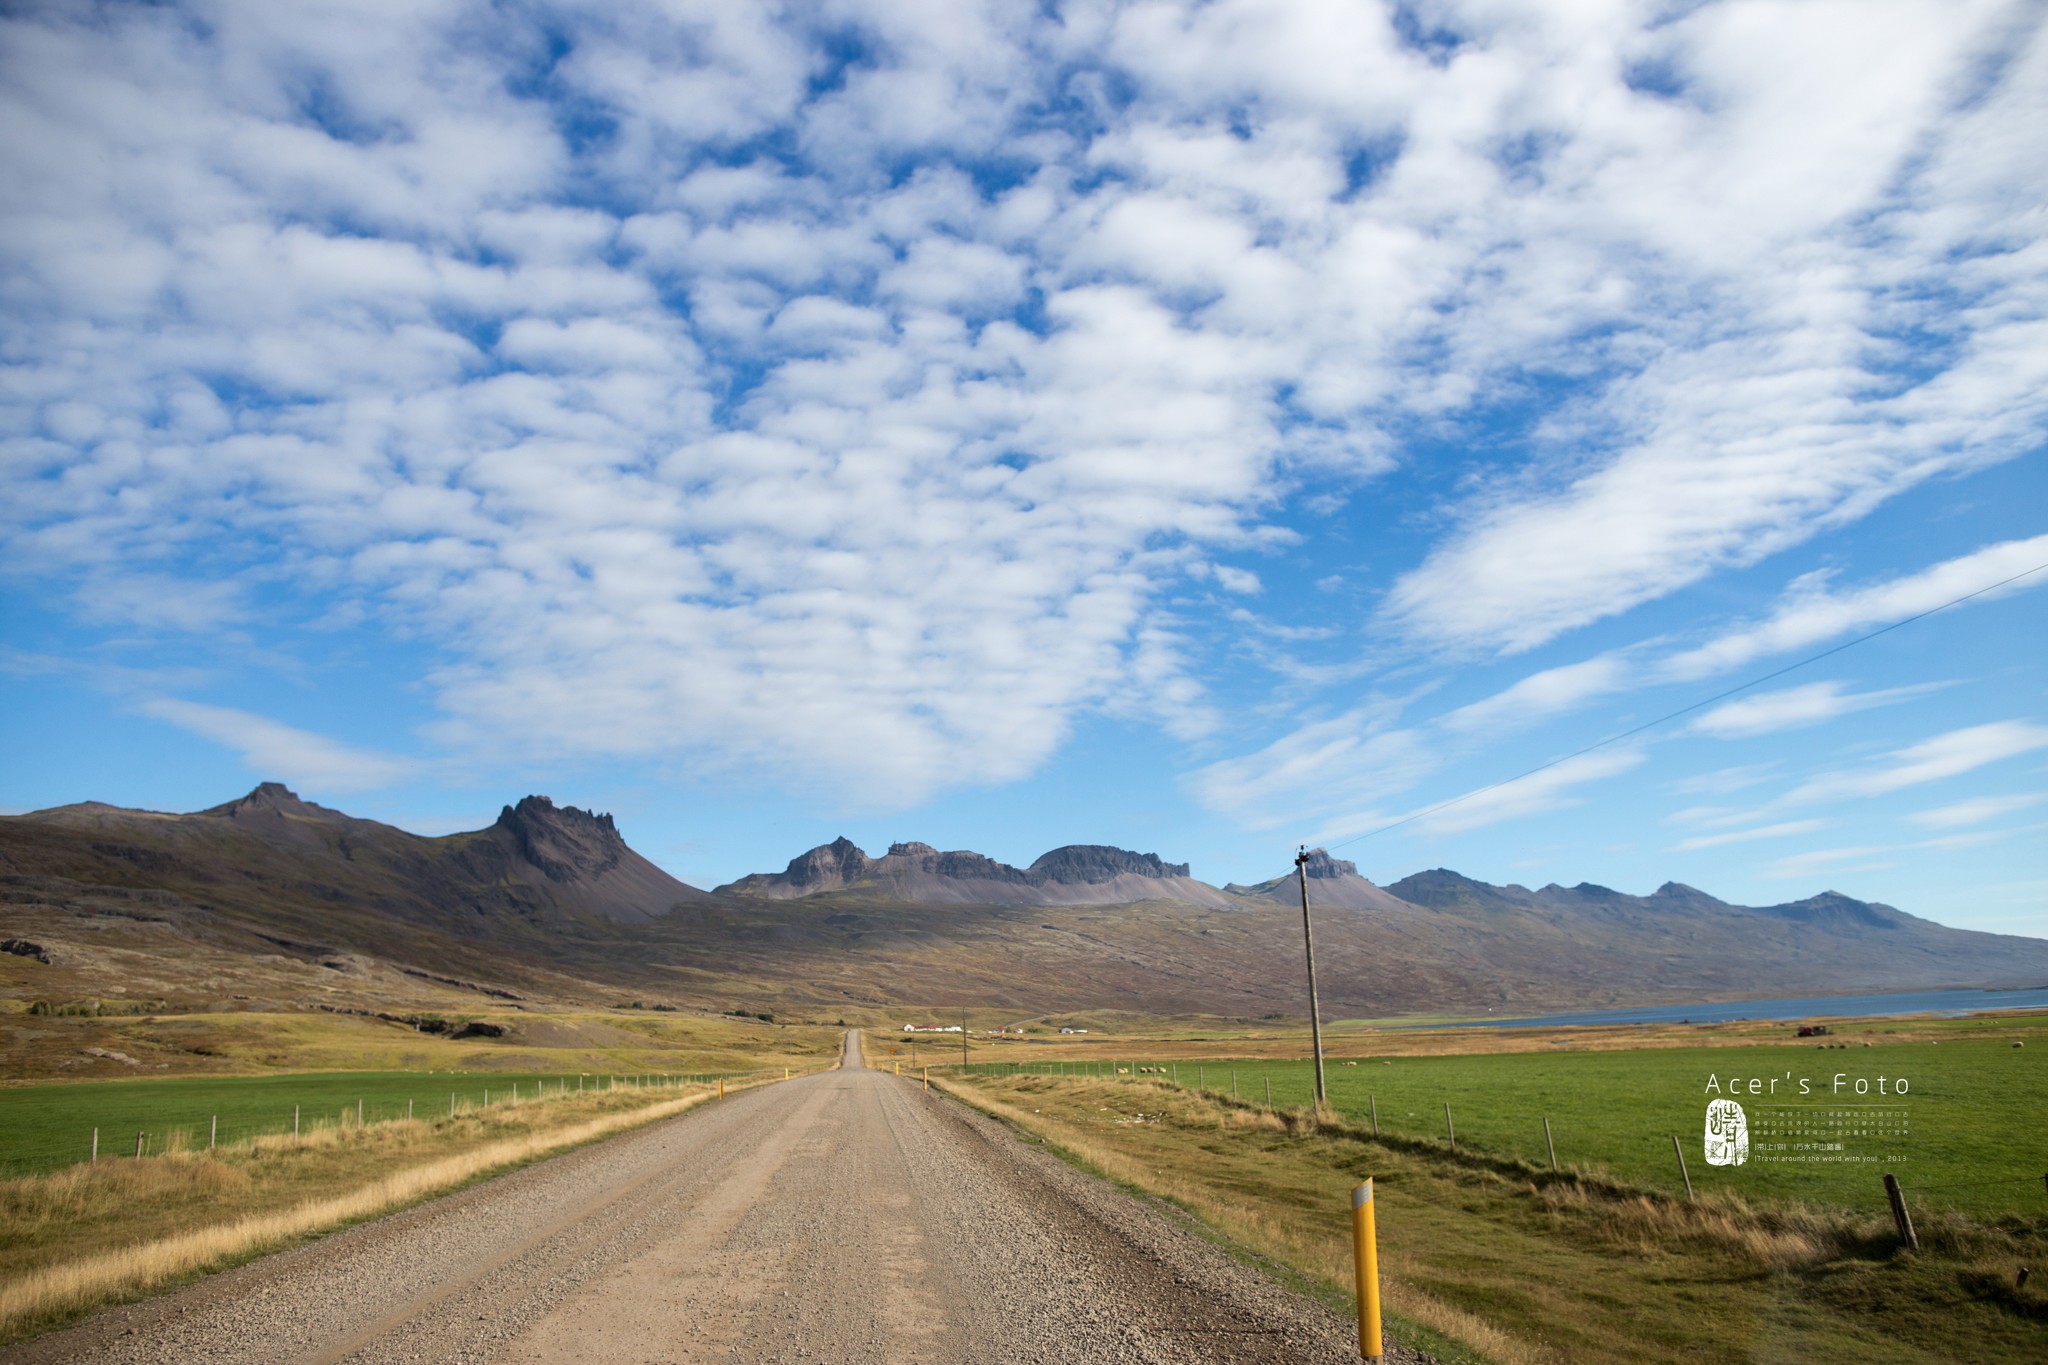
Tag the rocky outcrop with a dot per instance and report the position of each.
(566, 843)
(1332, 881)
(1089, 864)
(585, 862)
(1078, 874)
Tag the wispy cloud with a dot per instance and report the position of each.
(1549, 790)
(1782, 830)
(1722, 781)
(1865, 857)
(1766, 713)
(1976, 811)
(277, 751)
(1344, 765)
(1542, 695)
(1943, 756)
(1813, 614)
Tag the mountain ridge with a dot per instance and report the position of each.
(551, 901)
(1073, 874)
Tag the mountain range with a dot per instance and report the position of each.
(551, 902)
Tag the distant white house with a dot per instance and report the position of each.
(931, 1028)
(1073, 1030)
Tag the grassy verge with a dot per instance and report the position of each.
(48, 1127)
(532, 1041)
(1966, 1135)
(79, 1239)
(1520, 1266)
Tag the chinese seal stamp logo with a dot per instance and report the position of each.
(1727, 1134)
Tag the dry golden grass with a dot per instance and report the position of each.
(1516, 1264)
(1249, 1222)
(37, 1210)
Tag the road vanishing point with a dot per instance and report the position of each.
(844, 1216)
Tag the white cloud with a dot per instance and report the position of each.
(1782, 830)
(1812, 614)
(1333, 767)
(1811, 704)
(1542, 695)
(1976, 811)
(1237, 580)
(279, 752)
(699, 390)
(1545, 791)
(1931, 760)
(1877, 856)
(1722, 781)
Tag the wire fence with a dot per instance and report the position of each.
(1476, 1135)
(50, 1127)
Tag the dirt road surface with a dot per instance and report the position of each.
(846, 1216)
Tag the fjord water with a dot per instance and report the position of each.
(1949, 1002)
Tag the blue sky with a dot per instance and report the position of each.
(1201, 428)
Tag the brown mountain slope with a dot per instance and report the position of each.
(550, 901)
(1331, 881)
(537, 862)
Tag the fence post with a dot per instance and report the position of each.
(1365, 1263)
(1547, 1142)
(95, 1146)
(1374, 1101)
(213, 1133)
(295, 1123)
(1233, 1082)
(359, 1111)
(1269, 1092)
(1679, 1148)
(1450, 1132)
(1904, 1219)
(138, 1144)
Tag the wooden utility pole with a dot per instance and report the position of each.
(1315, 1013)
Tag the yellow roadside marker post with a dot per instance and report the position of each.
(1365, 1257)
(721, 1087)
(926, 1074)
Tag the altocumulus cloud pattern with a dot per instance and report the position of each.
(846, 388)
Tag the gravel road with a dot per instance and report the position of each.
(846, 1216)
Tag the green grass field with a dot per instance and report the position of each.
(47, 1127)
(1975, 1139)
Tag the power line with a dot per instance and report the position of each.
(1685, 710)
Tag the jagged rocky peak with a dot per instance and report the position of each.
(1093, 863)
(564, 842)
(913, 849)
(839, 861)
(269, 798)
(1321, 864)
